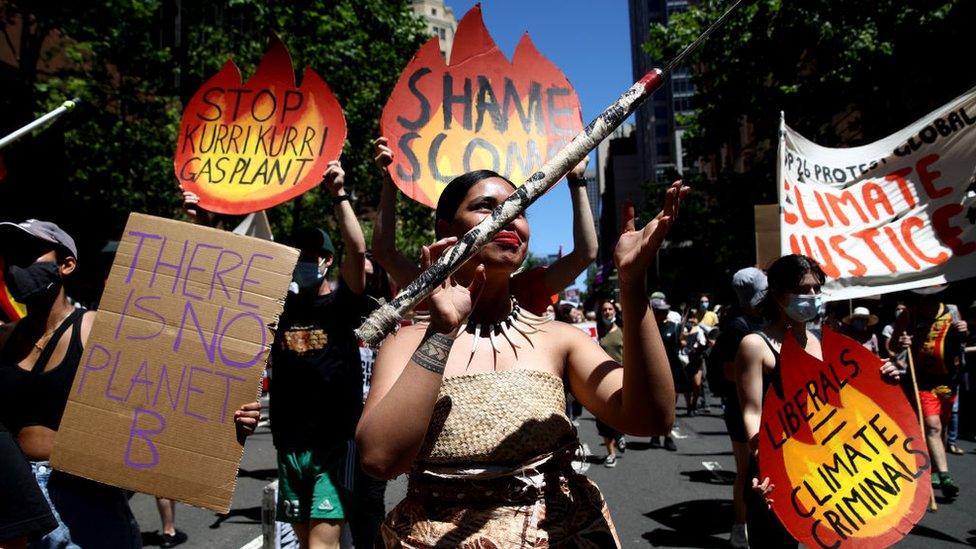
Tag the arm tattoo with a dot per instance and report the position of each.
(433, 352)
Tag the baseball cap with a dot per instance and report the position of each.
(659, 295)
(750, 286)
(32, 231)
(659, 304)
(313, 239)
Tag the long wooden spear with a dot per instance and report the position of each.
(387, 318)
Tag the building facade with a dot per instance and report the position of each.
(658, 128)
(440, 22)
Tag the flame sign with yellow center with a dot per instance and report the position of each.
(843, 447)
(248, 147)
(479, 112)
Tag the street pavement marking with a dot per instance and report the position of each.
(256, 543)
(714, 467)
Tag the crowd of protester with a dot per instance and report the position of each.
(720, 357)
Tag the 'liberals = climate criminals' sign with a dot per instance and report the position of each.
(179, 343)
(244, 148)
(843, 448)
(479, 112)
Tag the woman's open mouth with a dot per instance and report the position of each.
(508, 239)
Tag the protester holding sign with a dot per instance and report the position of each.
(534, 287)
(792, 300)
(478, 409)
(317, 386)
(39, 357)
(935, 335)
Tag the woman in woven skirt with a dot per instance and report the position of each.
(471, 404)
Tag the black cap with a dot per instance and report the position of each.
(31, 231)
(313, 239)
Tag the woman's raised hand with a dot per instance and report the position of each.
(383, 155)
(450, 302)
(636, 248)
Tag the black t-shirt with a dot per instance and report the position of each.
(671, 335)
(726, 347)
(316, 374)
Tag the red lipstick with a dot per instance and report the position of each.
(507, 238)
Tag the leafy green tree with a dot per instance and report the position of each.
(133, 63)
(845, 73)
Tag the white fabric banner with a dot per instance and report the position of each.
(897, 214)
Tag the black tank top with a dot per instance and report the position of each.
(771, 378)
(36, 397)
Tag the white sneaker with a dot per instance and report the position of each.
(739, 538)
(611, 461)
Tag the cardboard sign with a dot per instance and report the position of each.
(479, 112)
(893, 215)
(843, 448)
(180, 342)
(244, 148)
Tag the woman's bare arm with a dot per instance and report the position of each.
(401, 268)
(564, 270)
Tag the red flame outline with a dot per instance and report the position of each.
(275, 69)
(797, 367)
(472, 44)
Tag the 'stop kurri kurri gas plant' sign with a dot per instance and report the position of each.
(244, 148)
(481, 111)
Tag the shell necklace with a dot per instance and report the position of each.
(518, 321)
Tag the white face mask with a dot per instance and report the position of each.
(804, 308)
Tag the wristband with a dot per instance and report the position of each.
(581, 182)
(339, 199)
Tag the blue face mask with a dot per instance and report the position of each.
(704, 304)
(804, 308)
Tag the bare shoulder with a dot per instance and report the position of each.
(87, 321)
(568, 335)
(752, 347)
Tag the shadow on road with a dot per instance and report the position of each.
(926, 532)
(260, 474)
(720, 477)
(691, 523)
(253, 514)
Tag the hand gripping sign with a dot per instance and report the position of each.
(180, 342)
(478, 112)
(843, 448)
(244, 148)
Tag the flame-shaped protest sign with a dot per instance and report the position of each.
(843, 448)
(244, 148)
(479, 112)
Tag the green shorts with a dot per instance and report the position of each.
(309, 485)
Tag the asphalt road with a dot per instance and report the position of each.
(657, 498)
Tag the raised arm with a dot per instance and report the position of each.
(564, 270)
(637, 398)
(403, 391)
(354, 259)
(401, 268)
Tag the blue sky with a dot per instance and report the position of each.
(590, 42)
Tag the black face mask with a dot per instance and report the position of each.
(33, 283)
